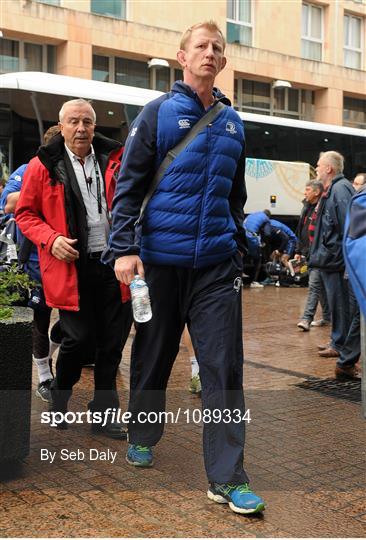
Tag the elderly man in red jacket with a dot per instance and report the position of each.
(64, 208)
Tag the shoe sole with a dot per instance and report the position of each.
(303, 329)
(144, 464)
(221, 500)
(38, 394)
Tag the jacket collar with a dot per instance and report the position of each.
(336, 179)
(53, 152)
(180, 87)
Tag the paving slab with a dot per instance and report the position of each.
(305, 451)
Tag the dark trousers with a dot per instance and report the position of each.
(102, 323)
(351, 350)
(336, 288)
(41, 323)
(209, 300)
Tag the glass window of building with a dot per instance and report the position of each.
(22, 56)
(100, 68)
(260, 98)
(312, 32)
(9, 55)
(354, 112)
(352, 32)
(239, 27)
(133, 73)
(112, 8)
(33, 57)
(255, 96)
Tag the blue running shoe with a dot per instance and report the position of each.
(240, 498)
(139, 456)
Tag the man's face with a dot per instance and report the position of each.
(203, 57)
(311, 195)
(358, 182)
(77, 128)
(323, 170)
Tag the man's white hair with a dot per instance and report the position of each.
(335, 159)
(72, 102)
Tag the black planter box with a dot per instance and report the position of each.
(15, 384)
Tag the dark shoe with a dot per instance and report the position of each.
(323, 347)
(347, 372)
(54, 422)
(304, 325)
(113, 430)
(43, 391)
(55, 412)
(328, 353)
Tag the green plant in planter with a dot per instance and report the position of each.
(14, 289)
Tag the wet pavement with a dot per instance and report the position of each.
(305, 451)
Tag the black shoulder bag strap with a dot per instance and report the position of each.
(174, 152)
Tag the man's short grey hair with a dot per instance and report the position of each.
(335, 159)
(72, 102)
(363, 176)
(316, 185)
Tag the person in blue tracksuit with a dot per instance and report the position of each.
(257, 228)
(289, 249)
(190, 254)
(257, 225)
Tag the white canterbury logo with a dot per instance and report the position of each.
(184, 123)
(230, 127)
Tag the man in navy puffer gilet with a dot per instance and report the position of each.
(190, 252)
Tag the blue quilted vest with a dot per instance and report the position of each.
(188, 220)
(354, 247)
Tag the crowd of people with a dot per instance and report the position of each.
(78, 208)
(319, 240)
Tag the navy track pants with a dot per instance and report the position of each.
(209, 300)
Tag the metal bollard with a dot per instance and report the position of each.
(363, 364)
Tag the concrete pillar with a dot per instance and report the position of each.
(75, 59)
(329, 106)
(225, 81)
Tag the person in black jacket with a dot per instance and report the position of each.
(313, 191)
(326, 252)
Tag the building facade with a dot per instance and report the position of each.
(299, 59)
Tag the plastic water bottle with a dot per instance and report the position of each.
(141, 306)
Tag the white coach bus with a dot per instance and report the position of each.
(30, 101)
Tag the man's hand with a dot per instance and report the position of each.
(62, 249)
(127, 267)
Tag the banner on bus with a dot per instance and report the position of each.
(276, 185)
